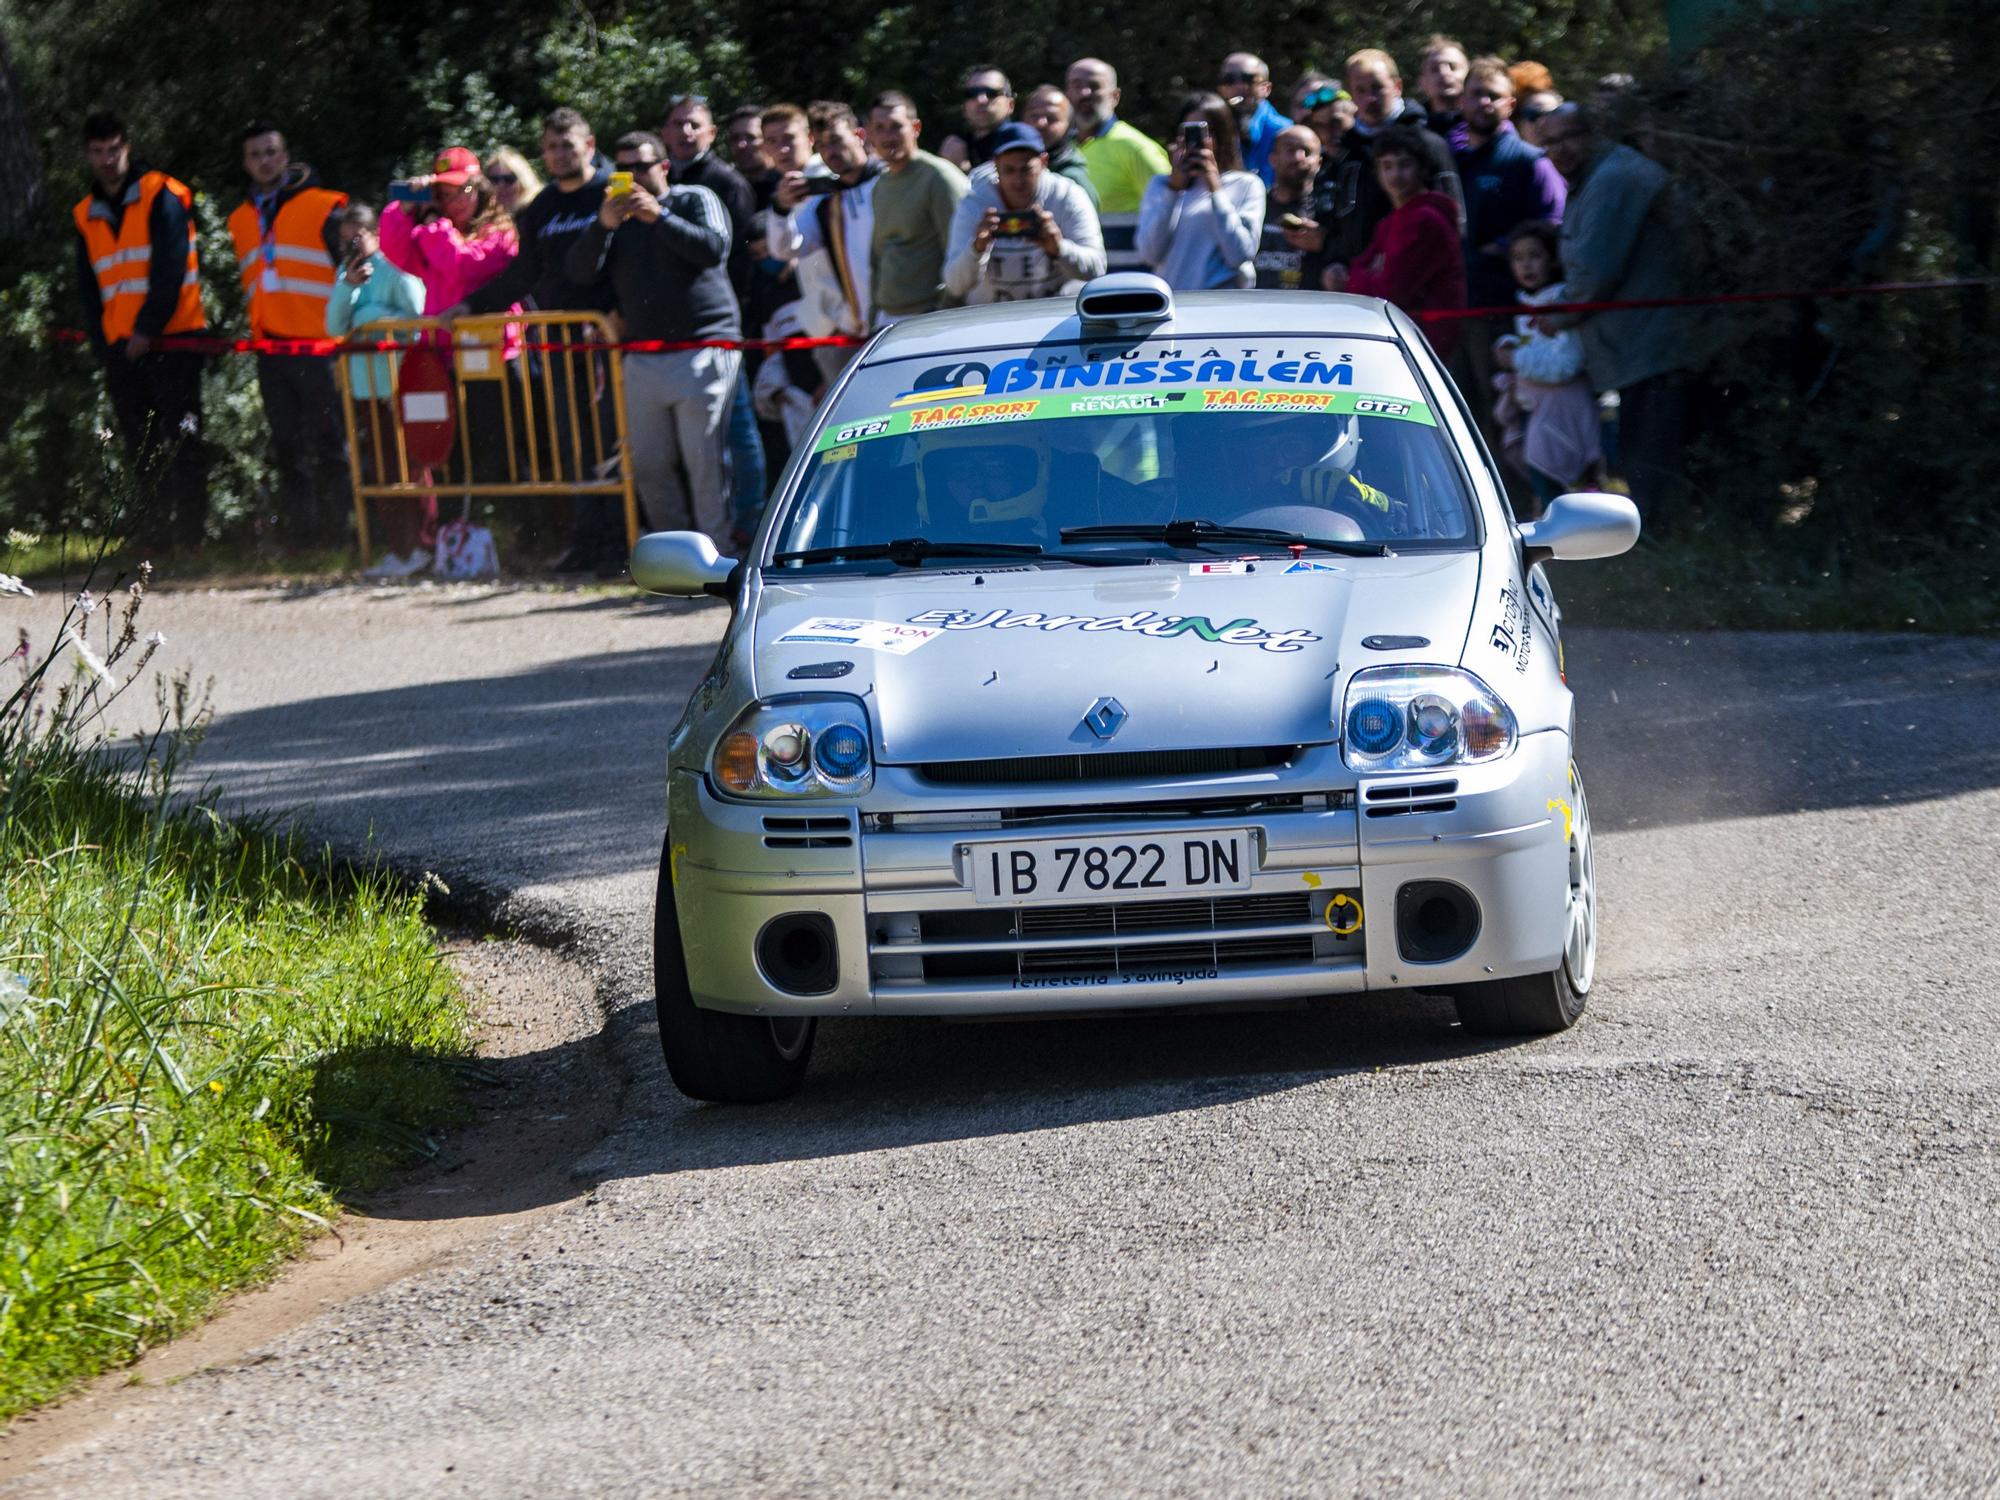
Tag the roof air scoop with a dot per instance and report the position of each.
(1125, 299)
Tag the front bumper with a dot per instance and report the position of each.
(912, 940)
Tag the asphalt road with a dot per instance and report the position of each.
(1735, 1233)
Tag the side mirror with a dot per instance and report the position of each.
(1580, 526)
(679, 562)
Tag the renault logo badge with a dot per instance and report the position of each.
(1104, 717)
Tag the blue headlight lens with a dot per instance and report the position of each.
(1374, 727)
(842, 752)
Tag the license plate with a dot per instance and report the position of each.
(1119, 866)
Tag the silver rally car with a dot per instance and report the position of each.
(1141, 650)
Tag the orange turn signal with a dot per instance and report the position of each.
(736, 762)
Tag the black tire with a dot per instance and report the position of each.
(1543, 1004)
(713, 1054)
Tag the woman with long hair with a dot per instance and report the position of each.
(1199, 224)
(515, 182)
(449, 229)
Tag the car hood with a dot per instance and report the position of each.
(1193, 659)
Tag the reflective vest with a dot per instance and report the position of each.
(287, 276)
(120, 243)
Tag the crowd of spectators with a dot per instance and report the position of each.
(1484, 189)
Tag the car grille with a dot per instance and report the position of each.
(1202, 932)
(1110, 766)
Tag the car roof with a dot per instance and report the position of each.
(1224, 314)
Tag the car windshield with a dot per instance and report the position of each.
(1324, 437)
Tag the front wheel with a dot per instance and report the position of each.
(713, 1054)
(1543, 1004)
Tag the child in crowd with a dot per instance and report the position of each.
(1543, 402)
(372, 290)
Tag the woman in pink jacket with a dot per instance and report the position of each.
(458, 241)
(455, 243)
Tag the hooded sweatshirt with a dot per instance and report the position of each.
(1414, 260)
(547, 228)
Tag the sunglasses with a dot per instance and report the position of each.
(1527, 114)
(1240, 78)
(1320, 98)
(638, 166)
(502, 179)
(986, 93)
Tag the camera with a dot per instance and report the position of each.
(819, 187)
(1016, 224)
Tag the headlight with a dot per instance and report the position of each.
(1412, 718)
(802, 746)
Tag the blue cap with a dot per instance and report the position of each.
(1017, 135)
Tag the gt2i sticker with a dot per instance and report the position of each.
(958, 411)
(1513, 633)
(869, 635)
(1239, 632)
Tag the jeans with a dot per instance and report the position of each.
(746, 453)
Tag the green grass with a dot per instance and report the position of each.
(208, 1032)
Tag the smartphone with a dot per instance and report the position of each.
(1015, 224)
(819, 187)
(404, 192)
(1194, 136)
(621, 184)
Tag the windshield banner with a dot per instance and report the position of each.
(952, 410)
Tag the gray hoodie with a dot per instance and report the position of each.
(1621, 239)
(1014, 267)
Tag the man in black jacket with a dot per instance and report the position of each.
(547, 228)
(690, 139)
(1376, 85)
(661, 250)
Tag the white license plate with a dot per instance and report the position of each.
(1115, 867)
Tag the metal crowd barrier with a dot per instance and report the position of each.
(546, 422)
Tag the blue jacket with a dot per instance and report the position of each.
(1506, 182)
(1258, 133)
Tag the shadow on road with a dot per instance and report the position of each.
(542, 777)
(883, 1084)
(1676, 729)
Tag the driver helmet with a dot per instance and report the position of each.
(1315, 467)
(984, 482)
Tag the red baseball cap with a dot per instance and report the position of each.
(455, 166)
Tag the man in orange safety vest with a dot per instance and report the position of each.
(287, 239)
(139, 281)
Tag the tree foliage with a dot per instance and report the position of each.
(1860, 141)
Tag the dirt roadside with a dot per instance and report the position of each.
(547, 1091)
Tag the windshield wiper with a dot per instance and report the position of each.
(909, 551)
(1198, 533)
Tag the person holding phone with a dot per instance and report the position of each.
(1021, 231)
(1200, 223)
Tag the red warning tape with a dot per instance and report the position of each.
(1711, 299)
(196, 343)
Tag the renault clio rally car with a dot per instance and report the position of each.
(1140, 650)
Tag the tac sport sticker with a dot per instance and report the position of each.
(1303, 566)
(869, 635)
(1238, 632)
